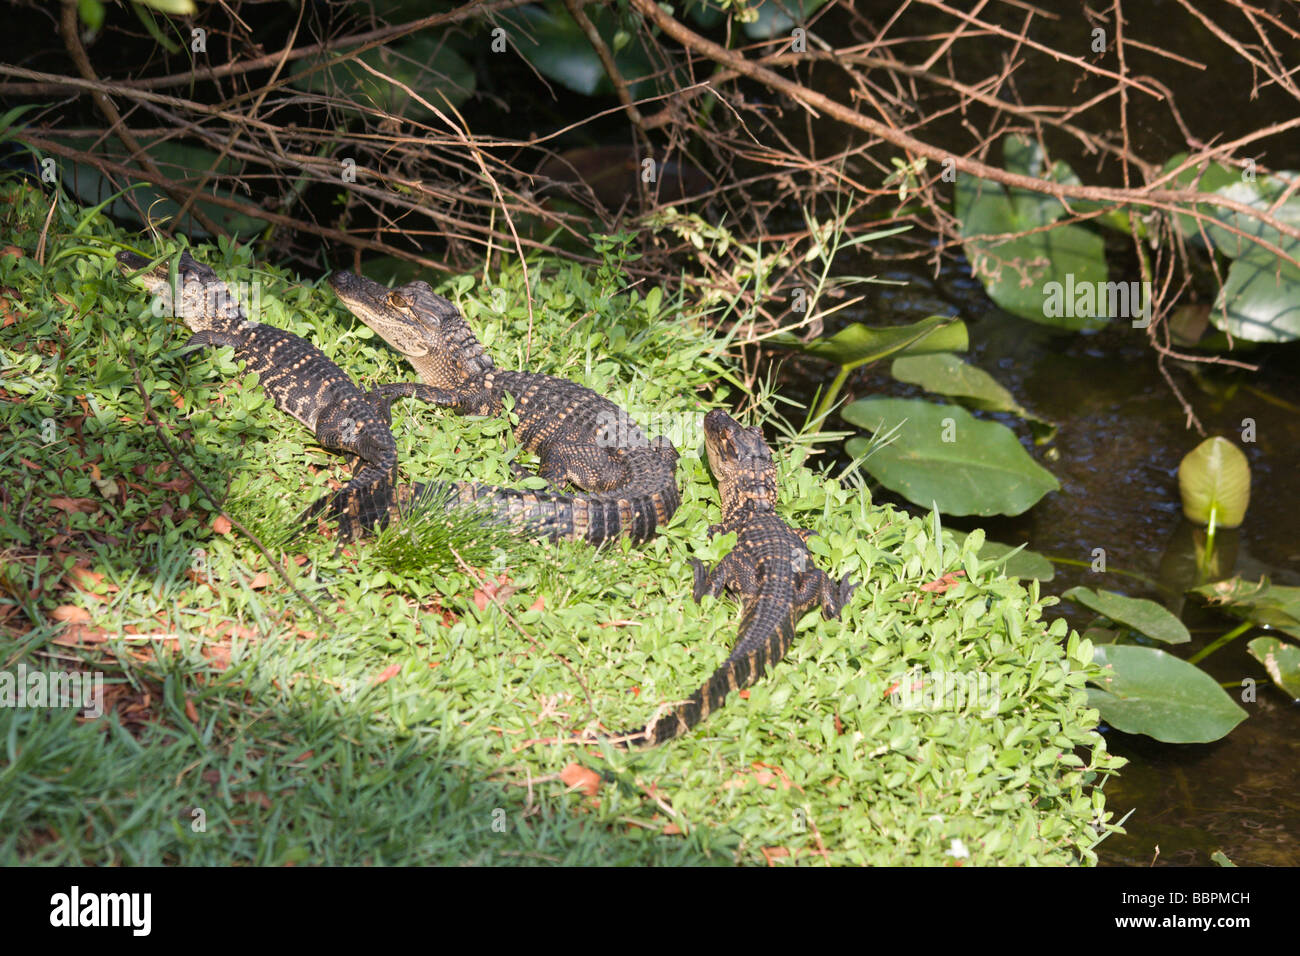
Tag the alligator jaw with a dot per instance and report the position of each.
(384, 310)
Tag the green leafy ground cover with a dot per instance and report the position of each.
(436, 717)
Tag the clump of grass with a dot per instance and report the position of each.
(265, 516)
(432, 532)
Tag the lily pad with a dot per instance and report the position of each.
(1261, 297)
(1145, 617)
(1261, 194)
(1147, 691)
(1282, 661)
(943, 455)
(1214, 477)
(946, 374)
(1206, 178)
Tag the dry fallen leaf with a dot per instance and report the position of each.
(221, 524)
(74, 635)
(388, 673)
(576, 776)
(771, 853)
(944, 583)
(75, 505)
(71, 614)
(260, 580)
(500, 589)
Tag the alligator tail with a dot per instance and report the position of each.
(757, 652)
(370, 500)
(636, 509)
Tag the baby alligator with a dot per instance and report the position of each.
(301, 381)
(581, 438)
(768, 569)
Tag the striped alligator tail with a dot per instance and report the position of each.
(767, 630)
(635, 509)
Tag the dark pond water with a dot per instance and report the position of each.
(1122, 431)
(1122, 435)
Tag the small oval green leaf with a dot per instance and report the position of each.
(858, 344)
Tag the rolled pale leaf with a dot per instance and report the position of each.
(1215, 475)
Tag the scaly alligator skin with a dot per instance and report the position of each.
(581, 438)
(301, 381)
(768, 569)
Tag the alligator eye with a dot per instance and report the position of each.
(397, 302)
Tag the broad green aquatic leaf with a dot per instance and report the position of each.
(1282, 661)
(945, 455)
(858, 344)
(553, 43)
(1215, 476)
(1146, 617)
(178, 160)
(424, 63)
(946, 374)
(1260, 299)
(1147, 691)
(1207, 178)
(1043, 276)
(1262, 603)
(1261, 194)
(1261, 296)
(1023, 564)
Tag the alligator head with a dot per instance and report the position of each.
(202, 301)
(742, 462)
(426, 328)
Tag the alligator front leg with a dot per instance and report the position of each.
(714, 582)
(213, 338)
(815, 586)
(444, 397)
